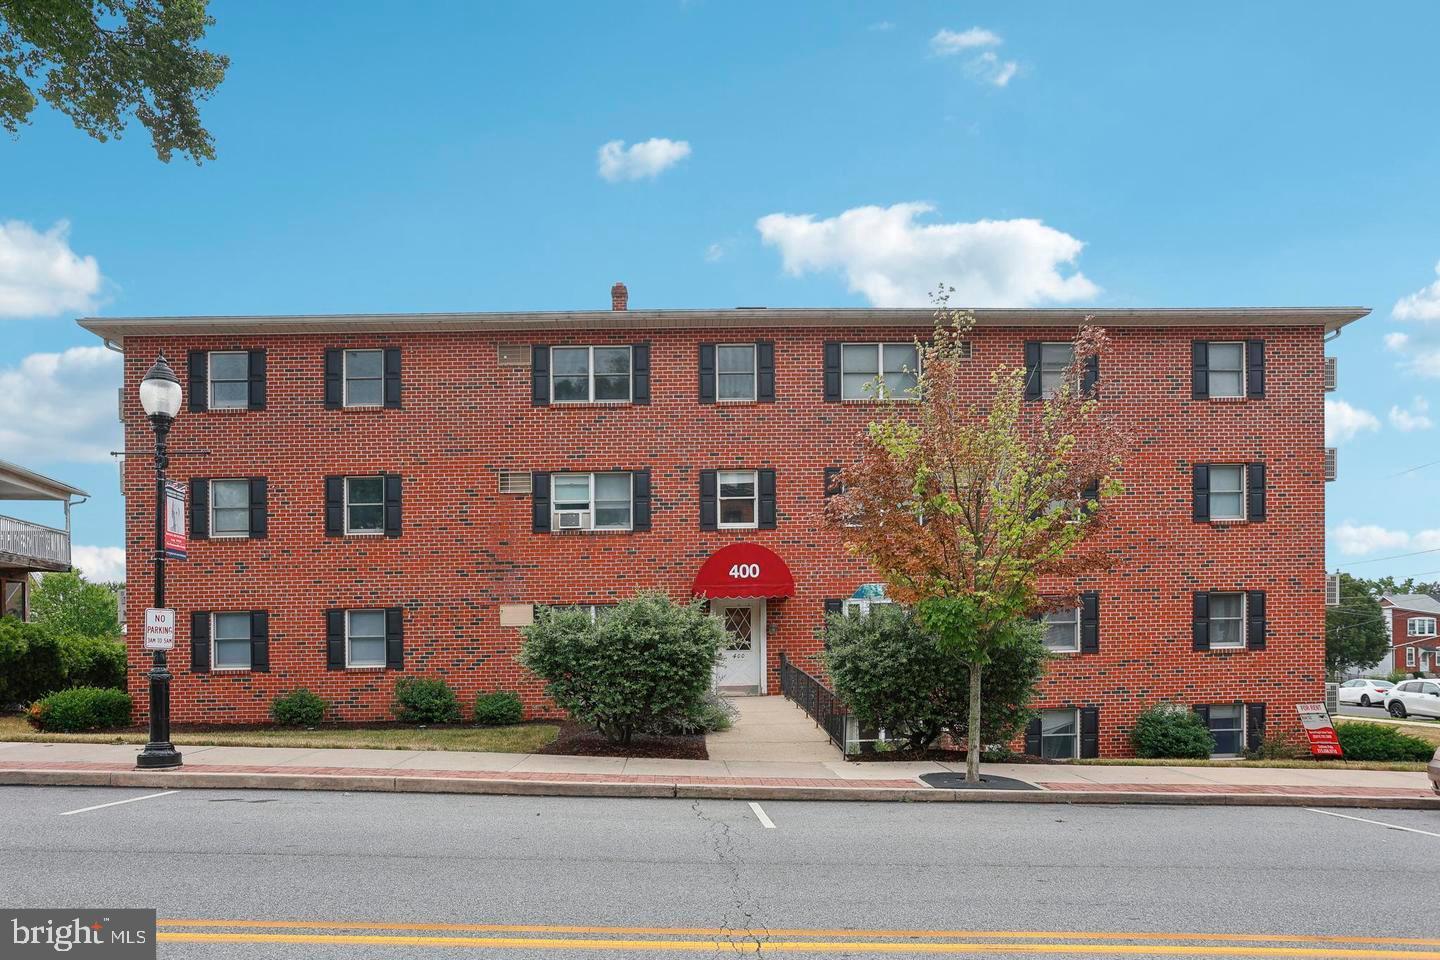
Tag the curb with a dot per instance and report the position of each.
(683, 791)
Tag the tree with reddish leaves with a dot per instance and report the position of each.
(964, 497)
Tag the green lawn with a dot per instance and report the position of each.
(521, 738)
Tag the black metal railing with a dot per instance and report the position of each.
(816, 699)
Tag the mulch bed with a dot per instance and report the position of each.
(577, 740)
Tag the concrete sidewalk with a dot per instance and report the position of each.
(459, 772)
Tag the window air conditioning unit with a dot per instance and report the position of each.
(1331, 470)
(1332, 590)
(513, 355)
(571, 519)
(1330, 373)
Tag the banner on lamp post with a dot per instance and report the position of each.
(177, 544)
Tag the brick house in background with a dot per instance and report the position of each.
(27, 547)
(1410, 621)
(389, 495)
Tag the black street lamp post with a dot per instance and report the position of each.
(160, 398)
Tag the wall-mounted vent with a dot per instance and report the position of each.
(1332, 590)
(514, 355)
(1331, 470)
(1331, 375)
(515, 481)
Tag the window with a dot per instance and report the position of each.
(893, 365)
(1227, 726)
(860, 608)
(1420, 627)
(590, 374)
(1227, 620)
(1059, 734)
(1055, 361)
(14, 599)
(1062, 630)
(1226, 366)
(591, 501)
(1227, 492)
(365, 638)
(364, 378)
(229, 508)
(1409, 660)
(364, 505)
(738, 494)
(735, 369)
(230, 633)
(229, 380)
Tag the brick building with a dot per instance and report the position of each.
(1410, 623)
(389, 495)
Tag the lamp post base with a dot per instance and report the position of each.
(157, 756)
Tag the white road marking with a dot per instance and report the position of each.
(1377, 823)
(116, 803)
(760, 815)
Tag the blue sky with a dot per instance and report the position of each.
(448, 158)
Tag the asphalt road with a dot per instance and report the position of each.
(438, 876)
(1355, 710)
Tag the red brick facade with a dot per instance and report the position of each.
(466, 548)
(1419, 652)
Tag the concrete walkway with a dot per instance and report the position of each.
(771, 730)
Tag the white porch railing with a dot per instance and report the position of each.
(34, 541)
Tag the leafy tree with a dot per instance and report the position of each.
(1355, 634)
(99, 61)
(965, 498)
(69, 606)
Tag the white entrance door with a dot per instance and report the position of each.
(741, 668)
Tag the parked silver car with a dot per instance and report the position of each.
(1420, 698)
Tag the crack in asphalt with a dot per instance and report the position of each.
(741, 924)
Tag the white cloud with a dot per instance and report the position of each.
(1423, 305)
(1415, 418)
(1421, 348)
(1356, 541)
(40, 275)
(947, 42)
(1343, 422)
(986, 66)
(715, 252)
(61, 406)
(991, 69)
(99, 564)
(640, 160)
(1397, 341)
(893, 261)
(883, 26)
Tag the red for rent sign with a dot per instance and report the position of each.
(1320, 731)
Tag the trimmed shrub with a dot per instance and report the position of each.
(498, 709)
(80, 709)
(30, 661)
(709, 714)
(425, 700)
(647, 659)
(298, 708)
(1169, 732)
(1377, 741)
(1275, 748)
(93, 661)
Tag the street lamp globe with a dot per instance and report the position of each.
(160, 391)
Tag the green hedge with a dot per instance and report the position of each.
(425, 700)
(80, 709)
(298, 708)
(35, 660)
(1168, 732)
(498, 709)
(1376, 741)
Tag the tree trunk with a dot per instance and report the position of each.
(972, 748)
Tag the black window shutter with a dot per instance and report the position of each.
(1200, 621)
(1199, 370)
(1032, 738)
(1032, 369)
(1089, 733)
(1255, 488)
(640, 370)
(709, 503)
(832, 482)
(767, 500)
(765, 371)
(334, 639)
(640, 491)
(334, 506)
(540, 502)
(1090, 377)
(1255, 619)
(334, 379)
(1254, 725)
(200, 641)
(1090, 622)
(707, 373)
(257, 380)
(259, 508)
(260, 641)
(539, 376)
(393, 484)
(1200, 493)
(832, 371)
(1255, 368)
(392, 378)
(199, 508)
(395, 638)
(198, 366)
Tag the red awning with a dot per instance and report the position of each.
(743, 570)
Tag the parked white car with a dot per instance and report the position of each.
(1365, 691)
(1420, 698)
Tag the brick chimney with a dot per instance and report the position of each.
(619, 297)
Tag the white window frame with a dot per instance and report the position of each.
(345, 377)
(211, 380)
(1244, 498)
(720, 524)
(720, 374)
(1413, 627)
(365, 533)
(1075, 646)
(1040, 370)
(1209, 715)
(882, 394)
(1409, 656)
(23, 587)
(349, 661)
(1244, 601)
(1210, 369)
(1075, 717)
(852, 607)
(590, 525)
(214, 534)
(215, 616)
(590, 373)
